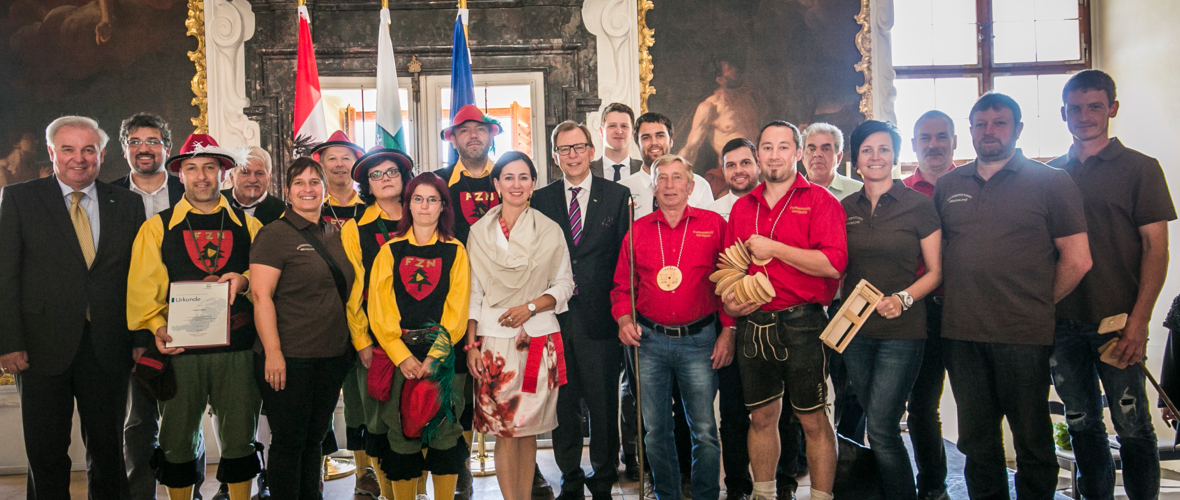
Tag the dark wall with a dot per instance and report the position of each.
(505, 36)
(51, 65)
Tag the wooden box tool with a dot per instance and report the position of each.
(857, 308)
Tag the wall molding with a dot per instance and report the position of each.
(884, 93)
(228, 25)
(614, 23)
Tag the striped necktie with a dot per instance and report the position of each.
(575, 215)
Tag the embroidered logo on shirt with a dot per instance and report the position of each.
(959, 197)
(306, 247)
(477, 203)
(854, 220)
(800, 210)
(420, 276)
(209, 250)
(703, 234)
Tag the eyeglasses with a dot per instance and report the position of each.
(134, 143)
(376, 175)
(577, 148)
(433, 200)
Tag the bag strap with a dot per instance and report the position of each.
(337, 274)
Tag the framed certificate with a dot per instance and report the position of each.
(198, 314)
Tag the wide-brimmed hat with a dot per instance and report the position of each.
(405, 165)
(204, 145)
(471, 113)
(338, 138)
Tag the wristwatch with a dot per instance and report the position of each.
(907, 300)
(533, 308)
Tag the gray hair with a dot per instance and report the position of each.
(76, 121)
(261, 154)
(825, 128)
(667, 159)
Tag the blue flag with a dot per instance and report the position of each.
(462, 86)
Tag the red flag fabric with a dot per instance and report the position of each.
(309, 127)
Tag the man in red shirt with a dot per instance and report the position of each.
(934, 142)
(676, 248)
(798, 227)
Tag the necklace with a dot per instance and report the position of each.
(669, 277)
(207, 266)
(758, 215)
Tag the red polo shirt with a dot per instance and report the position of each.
(813, 221)
(920, 184)
(695, 297)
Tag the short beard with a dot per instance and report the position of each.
(214, 194)
(482, 154)
(157, 169)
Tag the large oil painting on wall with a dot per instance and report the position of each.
(722, 69)
(107, 59)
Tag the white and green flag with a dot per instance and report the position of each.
(389, 106)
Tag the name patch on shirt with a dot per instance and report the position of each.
(958, 198)
(800, 210)
(703, 234)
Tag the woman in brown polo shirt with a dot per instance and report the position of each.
(891, 228)
(304, 348)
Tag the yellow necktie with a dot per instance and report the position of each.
(82, 227)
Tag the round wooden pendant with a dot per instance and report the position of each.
(669, 278)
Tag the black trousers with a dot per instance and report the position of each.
(592, 373)
(47, 410)
(924, 422)
(300, 416)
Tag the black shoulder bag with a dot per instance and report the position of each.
(337, 274)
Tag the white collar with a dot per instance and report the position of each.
(234, 192)
(585, 185)
(135, 187)
(90, 190)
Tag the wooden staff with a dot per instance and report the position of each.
(635, 349)
(1160, 390)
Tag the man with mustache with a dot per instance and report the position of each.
(1128, 207)
(249, 191)
(1015, 244)
(146, 140)
(342, 202)
(934, 142)
(616, 162)
(653, 131)
(797, 229)
(201, 239)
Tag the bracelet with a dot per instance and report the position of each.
(468, 347)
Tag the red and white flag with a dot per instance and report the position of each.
(310, 128)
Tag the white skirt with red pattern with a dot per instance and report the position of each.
(518, 397)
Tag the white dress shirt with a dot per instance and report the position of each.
(89, 203)
(724, 204)
(249, 209)
(583, 197)
(154, 202)
(541, 324)
(641, 192)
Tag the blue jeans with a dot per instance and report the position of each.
(1076, 372)
(685, 359)
(882, 372)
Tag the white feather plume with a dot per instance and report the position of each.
(240, 156)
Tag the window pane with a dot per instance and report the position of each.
(1039, 97)
(953, 96)
(930, 32)
(1036, 30)
(354, 110)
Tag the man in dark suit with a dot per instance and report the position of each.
(146, 141)
(249, 191)
(593, 214)
(66, 242)
(616, 142)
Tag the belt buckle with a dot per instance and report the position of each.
(678, 329)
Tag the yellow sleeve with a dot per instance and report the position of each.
(358, 322)
(253, 226)
(455, 310)
(147, 281)
(384, 318)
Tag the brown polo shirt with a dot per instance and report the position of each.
(884, 247)
(311, 317)
(1122, 189)
(999, 260)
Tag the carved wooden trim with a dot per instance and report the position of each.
(196, 28)
(646, 40)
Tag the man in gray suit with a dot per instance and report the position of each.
(617, 123)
